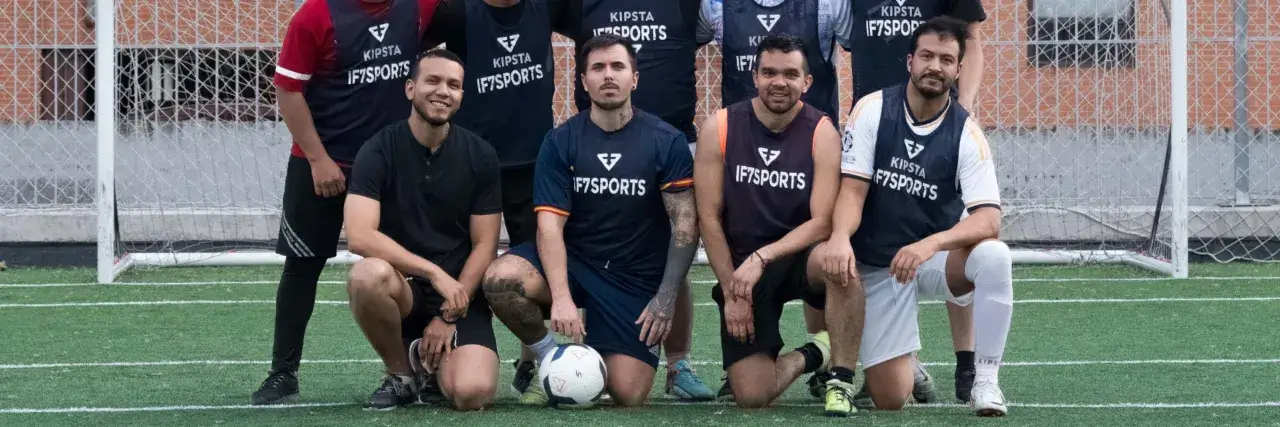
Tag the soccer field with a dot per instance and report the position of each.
(1089, 346)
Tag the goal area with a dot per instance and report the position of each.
(171, 151)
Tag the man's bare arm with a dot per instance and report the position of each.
(971, 67)
(297, 117)
(363, 238)
(680, 251)
(708, 176)
(981, 224)
(848, 211)
(485, 230)
(826, 184)
(551, 252)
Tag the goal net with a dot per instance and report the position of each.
(1076, 101)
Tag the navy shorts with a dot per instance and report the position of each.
(611, 302)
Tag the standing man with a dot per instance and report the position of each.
(617, 232)
(510, 98)
(424, 213)
(664, 36)
(914, 162)
(768, 173)
(881, 39)
(739, 25)
(339, 59)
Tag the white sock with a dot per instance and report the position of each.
(544, 346)
(990, 268)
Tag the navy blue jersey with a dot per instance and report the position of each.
(610, 186)
(768, 177)
(507, 63)
(664, 33)
(366, 93)
(746, 22)
(915, 180)
(882, 37)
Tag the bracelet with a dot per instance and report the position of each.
(447, 321)
(762, 261)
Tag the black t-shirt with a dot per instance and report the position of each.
(427, 199)
(449, 24)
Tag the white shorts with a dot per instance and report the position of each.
(891, 328)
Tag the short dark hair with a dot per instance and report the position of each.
(433, 53)
(604, 41)
(946, 28)
(781, 43)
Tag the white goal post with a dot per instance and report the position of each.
(177, 156)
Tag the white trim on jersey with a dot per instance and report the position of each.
(292, 74)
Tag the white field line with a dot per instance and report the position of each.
(187, 408)
(700, 282)
(701, 304)
(704, 362)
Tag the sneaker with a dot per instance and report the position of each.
(393, 393)
(428, 386)
(839, 398)
(279, 387)
(863, 398)
(923, 391)
(818, 383)
(685, 384)
(726, 392)
(988, 400)
(964, 382)
(533, 394)
(524, 376)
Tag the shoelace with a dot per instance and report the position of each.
(274, 380)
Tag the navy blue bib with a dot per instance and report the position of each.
(882, 37)
(510, 83)
(366, 91)
(746, 22)
(914, 187)
(666, 53)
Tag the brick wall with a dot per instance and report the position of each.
(1015, 95)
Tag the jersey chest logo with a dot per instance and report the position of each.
(913, 148)
(768, 20)
(768, 155)
(509, 42)
(379, 31)
(609, 159)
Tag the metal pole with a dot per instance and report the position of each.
(1178, 136)
(1240, 114)
(105, 116)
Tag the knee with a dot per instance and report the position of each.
(503, 275)
(629, 395)
(751, 399)
(369, 275)
(989, 257)
(473, 395)
(889, 404)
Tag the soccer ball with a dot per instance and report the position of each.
(573, 376)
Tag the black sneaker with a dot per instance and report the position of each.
(428, 386)
(282, 387)
(818, 384)
(524, 376)
(394, 392)
(964, 382)
(726, 392)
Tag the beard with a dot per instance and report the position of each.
(422, 109)
(780, 107)
(929, 91)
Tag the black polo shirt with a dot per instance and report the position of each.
(428, 198)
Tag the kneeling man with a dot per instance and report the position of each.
(424, 211)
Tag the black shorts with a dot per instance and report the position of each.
(782, 281)
(476, 328)
(517, 204)
(309, 224)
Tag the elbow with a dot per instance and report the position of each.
(358, 243)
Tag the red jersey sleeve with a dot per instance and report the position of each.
(426, 10)
(302, 48)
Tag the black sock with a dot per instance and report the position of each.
(964, 359)
(812, 357)
(295, 299)
(842, 373)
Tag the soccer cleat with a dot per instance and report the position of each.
(964, 382)
(524, 376)
(923, 391)
(839, 398)
(726, 392)
(988, 400)
(393, 393)
(684, 384)
(818, 383)
(279, 387)
(533, 394)
(863, 398)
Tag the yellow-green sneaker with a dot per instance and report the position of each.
(839, 399)
(534, 395)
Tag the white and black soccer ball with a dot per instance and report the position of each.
(573, 376)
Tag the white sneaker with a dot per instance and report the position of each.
(987, 400)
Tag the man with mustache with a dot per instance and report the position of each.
(664, 35)
(424, 213)
(617, 231)
(767, 174)
(880, 34)
(913, 163)
(339, 59)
